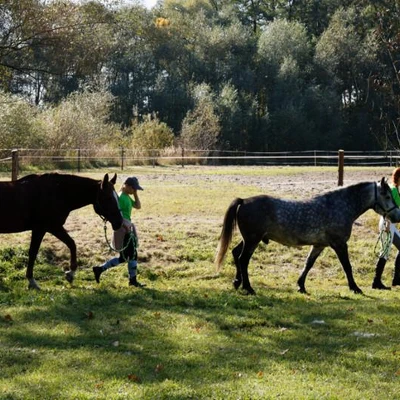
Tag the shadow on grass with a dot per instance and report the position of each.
(224, 330)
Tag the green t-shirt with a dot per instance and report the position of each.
(126, 203)
(396, 195)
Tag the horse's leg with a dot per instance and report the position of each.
(343, 254)
(315, 251)
(36, 240)
(244, 259)
(236, 254)
(61, 234)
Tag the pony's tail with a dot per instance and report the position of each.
(228, 228)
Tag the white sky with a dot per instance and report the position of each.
(149, 3)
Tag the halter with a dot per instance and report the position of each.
(97, 207)
(377, 205)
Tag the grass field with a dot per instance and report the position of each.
(189, 334)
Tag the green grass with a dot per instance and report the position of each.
(188, 334)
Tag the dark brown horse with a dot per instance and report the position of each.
(42, 203)
(322, 221)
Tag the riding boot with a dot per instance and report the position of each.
(134, 282)
(132, 270)
(377, 283)
(100, 269)
(97, 272)
(396, 275)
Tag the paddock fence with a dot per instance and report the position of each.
(19, 160)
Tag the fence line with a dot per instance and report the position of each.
(122, 157)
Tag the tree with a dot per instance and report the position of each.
(151, 134)
(17, 123)
(80, 121)
(46, 47)
(200, 127)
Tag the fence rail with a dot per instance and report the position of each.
(76, 159)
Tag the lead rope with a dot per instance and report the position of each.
(132, 238)
(384, 240)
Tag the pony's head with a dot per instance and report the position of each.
(106, 204)
(384, 202)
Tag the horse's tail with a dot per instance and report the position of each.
(228, 228)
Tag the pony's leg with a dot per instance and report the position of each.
(244, 260)
(236, 254)
(343, 254)
(315, 251)
(61, 234)
(36, 240)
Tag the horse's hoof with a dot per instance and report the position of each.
(380, 286)
(236, 284)
(302, 290)
(250, 291)
(69, 276)
(357, 290)
(33, 286)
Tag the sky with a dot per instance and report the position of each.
(149, 3)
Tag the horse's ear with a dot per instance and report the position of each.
(104, 181)
(384, 185)
(114, 179)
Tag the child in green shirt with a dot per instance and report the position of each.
(122, 238)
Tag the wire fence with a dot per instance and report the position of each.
(78, 159)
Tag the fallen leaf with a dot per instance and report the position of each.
(8, 317)
(157, 314)
(260, 374)
(116, 343)
(134, 378)
(397, 373)
(89, 315)
(159, 368)
(283, 352)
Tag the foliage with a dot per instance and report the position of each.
(80, 121)
(277, 57)
(17, 125)
(151, 134)
(200, 128)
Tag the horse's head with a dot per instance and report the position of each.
(106, 204)
(384, 202)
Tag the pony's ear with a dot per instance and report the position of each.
(114, 179)
(104, 181)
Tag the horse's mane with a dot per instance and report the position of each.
(351, 188)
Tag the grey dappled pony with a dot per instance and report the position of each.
(325, 220)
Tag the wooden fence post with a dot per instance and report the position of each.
(122, 158)
(14, 165)
(341, 167)
(79, 160)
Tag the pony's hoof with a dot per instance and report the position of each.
(69, 276)
(236, 284)
(33, 285)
